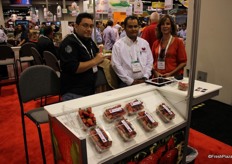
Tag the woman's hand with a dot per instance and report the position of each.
(167, 75)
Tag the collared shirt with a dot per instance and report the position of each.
(125, 51)
(72, 51)
(123, 33)
(182, 33)
(175, 55)
(3, 36)
(98, 36)
(109, 38)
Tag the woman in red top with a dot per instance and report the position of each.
(168, 51)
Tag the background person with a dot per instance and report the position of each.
(109, 36)
(71, 27)
(183, 32)
(168, 51)
(45, 42)
(149, 33)
(21, 34)
(98, 33)
(123, 32)
(79, 57)
(41, 31)
(131, 56)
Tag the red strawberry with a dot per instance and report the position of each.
(89, 110)
(91, 115)
(90, 122)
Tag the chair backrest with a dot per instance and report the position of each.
(51, 60)
(38, 81)
(37, 58)
(101, 78)
(25, 49)
(6, 52)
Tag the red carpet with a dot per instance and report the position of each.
(207, 146)
(11, 136)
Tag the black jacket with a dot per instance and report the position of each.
(46, 44)
(71, 53)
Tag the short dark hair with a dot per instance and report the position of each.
(47, 30)
(83, 15)
(132, 18)
(110, 23)
(22, 26)
(98, 22)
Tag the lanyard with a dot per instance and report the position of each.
(90, 55)
(166, 49)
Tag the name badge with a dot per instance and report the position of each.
(161, 65)
(95, 69)
(136, 67)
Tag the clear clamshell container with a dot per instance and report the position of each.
(134, 106)
(114, 112)
(100, 138)
(125, 129)
(182, 86)
(165, 112)
(87, 118)
(146, 120)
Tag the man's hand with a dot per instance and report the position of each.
(99, 58)
(138, 81)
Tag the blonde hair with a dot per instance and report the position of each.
(154, 17)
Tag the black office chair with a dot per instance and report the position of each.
(51, 60)
(25, 54)
(7, 57)
(35, 82)
(37, 58)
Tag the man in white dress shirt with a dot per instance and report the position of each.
(132, 58)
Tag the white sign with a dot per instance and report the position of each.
(119, 5)
(110, 15)
(168, 5)
(138, 7)
(102, 6)
(97, 16)
(45, 13)
(75, 10)
(54, 18)
(129, 11)
(58, 11)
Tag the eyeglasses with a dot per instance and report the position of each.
(130, 26)
(86, 25)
